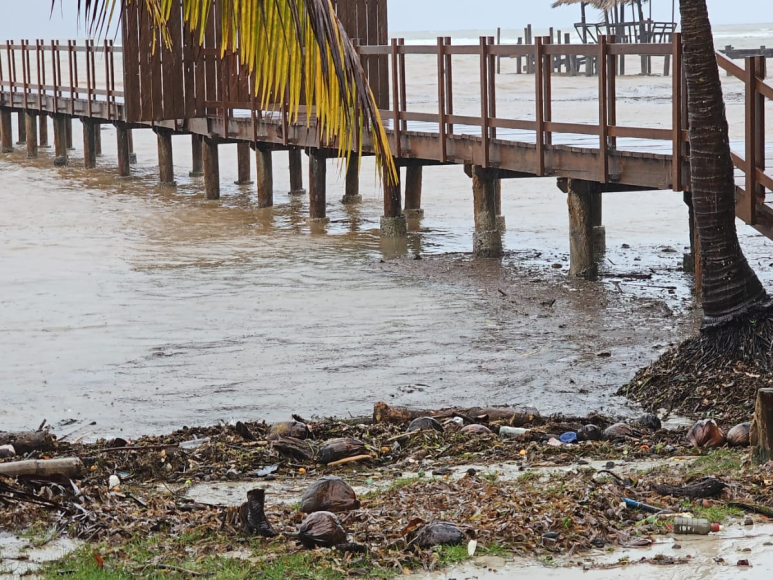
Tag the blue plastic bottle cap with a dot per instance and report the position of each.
(569, 437)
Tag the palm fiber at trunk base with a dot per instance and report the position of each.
(716, 373)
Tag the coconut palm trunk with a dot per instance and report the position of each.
(731, 289)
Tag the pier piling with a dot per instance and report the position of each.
(487, 239)
(90, 128)
(122, 142)
(165, 158)
(132, 154)
(352, 193)
(43, 131)
(98, 139)
(413, 184)
(60, 140)
(296, 172)
(31, 133)
(68, 133)
(211, 159)
(393, 222)
(264, 163)
(6, 131)
(243, 163)
(21, 123)
(197, 168)
(580, 195)
(317, 186)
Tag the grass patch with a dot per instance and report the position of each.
(715, 513)
(450, 555)
(717, 462)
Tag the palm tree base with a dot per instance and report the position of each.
(716, 373)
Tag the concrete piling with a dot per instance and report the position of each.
(413, 185)
(6, 131)
(197, 166)
(68, 133)
(393, 222)
(31, 133)
(243, 163)
(581, 246)
(43, 131)
(487, 239)
(60, 140)
(352, 193)
(90, 129)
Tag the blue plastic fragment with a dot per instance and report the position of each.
(568, 437)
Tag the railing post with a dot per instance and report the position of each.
(492, 89)
(603, 111)
(540, 106)
(441, 98)
(750, 202)
(547, 66)
(484, 105)
(612, 93)
(760, 125)
(449, 69)
(676, 114)
(403, 90)
(395, 98)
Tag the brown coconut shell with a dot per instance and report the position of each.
(294, 429)
(590, 433)
(706, 433)
(329, 494)
(438, 534)
(740, 435)
(337, 449)
(425, 424)
(294, 448)
(476, 429)
(620, 431)
(321, 530)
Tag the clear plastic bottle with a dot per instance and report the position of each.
(694, 526)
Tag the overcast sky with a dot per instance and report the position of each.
(30, 18)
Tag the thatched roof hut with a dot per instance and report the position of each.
(600, 4)
(635, 28)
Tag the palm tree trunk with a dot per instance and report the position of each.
(731, 289)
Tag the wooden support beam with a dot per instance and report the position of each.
(43, 131)
(296, 172)
(6, 131)
(243, 155)
(21, 125)
(761, 433)
(487, 239)
(90, 129)
(352, 192)
(68, 133)
(317, 186)
(31, 131)
(581, 250)
(98, 140)
(122, 142)
(413, 185)
(165, 157)
(211, 160)
(393, 222)
(197, 161)
(60, 140)
(265, 172)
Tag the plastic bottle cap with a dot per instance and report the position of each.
(715, 527)
(569, 437)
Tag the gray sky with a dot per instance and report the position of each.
(30, 18)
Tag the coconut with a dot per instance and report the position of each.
(649, 421)
(321, 530)
(590, 433)
(437, 534)
(706, 433)
(739, 435)
(620, 431)
(329, 494)
(425, 424)
(337, 449)
(476, 430)
(294, 429)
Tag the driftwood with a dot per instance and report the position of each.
(761, 432)
(708, 487)
(753, 508)
(68, 467)
(383, 413)
(28, 441)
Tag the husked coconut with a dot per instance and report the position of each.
(740, 435)
(294, 429)
(425, 424)
(321, 530)
(337, 449)
(706, 433)
(329, 494)
(476, 430)
(439, 534)
(620, 431)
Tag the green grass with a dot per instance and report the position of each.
(450, 555)
(716, 463)
(716, 513)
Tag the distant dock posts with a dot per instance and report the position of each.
(762, 53)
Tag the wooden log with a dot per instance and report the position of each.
(708, 487)
(197, 162)
(71, 467)
(352, 193)
(165, 157)
(317, 185)
(122, 143)
(31, 131)
(211, 169)
(296, 172)
(28, 441)
(265, 171)
(762, 427)
(6, 131)
(89, 143)
(243, 163)
(516, 417)
(43, 131)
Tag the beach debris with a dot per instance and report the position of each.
(707, 487)
(453, 424)
(341, 448)
(706, 433)
(753, 508)
(739, 436)
(476, 429)
(7, 451)
(329, 494)
(620, 431)
(515, 417)
(266, 471)
(68, 467)
(568, 437)
(294, 429)
(114, 483)
(29, 441)
(193, 444)
(649, 421)
(591, 433)
(698, 526)
(513, 432)
(252, 514)
(438, 534)
(321, 530)
(424, 424)
(637, 505)
(293, 448)
(244, 431)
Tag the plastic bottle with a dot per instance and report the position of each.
(694, 526)
(513, 432)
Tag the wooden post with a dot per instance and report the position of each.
(89, 143)
(60, 140)
(413, 184)
(31, 131)
(501, 222)
(243, 163)
(197, 169)
(761, 433)
(165, 158)
(393, 222)
(21, 123)
(352, 193)
(487, 239)
(211, 169)
(580, 201)
(599, 231)
(265, 172)
(43, 131)
(132, 154)
(296, 172)
(68, 133)
(122, 142)
(6, 131)
(98, 139)
(317, 186)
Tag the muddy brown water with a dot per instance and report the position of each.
(142, 309)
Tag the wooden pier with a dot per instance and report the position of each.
(192, 91)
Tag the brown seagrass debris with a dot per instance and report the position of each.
(515, 417)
